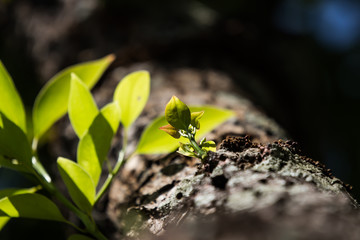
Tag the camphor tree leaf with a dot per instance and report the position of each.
(11, 192)
(195, 117)
(14, 164)
(154, 141)
(132, 94)
(30, 205)
(170, 130)
(10, 102)
(82, 107)
(3, 222)
(186, 149)
(79, 237)
(78, 182)
(17, 191)
(177, 114)
(94, 146)
(52, 101)
(14, 144)
(209, 146)
(112, 114)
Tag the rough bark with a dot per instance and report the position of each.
(253, 187)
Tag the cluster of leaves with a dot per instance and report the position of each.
(184, 123)
(69, 92)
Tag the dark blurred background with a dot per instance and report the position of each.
(298, 60)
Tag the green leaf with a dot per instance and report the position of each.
(52, 101)
(79, 237)
(185, 153)
(11, 192)
(94, 146)
(195, 117)
(170, 130)
(3, 222)
(78, 182)
(10, 102)
(132, 94)
(82, 107)
(112, 114)
(13, 143)
(17, 191)
(14, 164)
(212, 118)
(154, 141)
(30, 205)
(209, 146)
(177, 114)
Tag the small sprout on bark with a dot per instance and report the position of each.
(184, 123)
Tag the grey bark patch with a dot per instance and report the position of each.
(275, 186)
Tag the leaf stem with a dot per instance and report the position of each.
(120, 161)
(46, 182)
(200, 153)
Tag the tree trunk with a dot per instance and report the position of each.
(254, 187)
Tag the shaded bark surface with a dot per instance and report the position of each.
(253, 187)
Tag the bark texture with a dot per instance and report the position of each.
(254, 187)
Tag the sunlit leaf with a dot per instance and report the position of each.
(185, 153)
(52, 101)
(78, 182)
(195, 117)
(10, 102)
(30, 205)
(154, 141)
(186, 149)
(94, 146)
(177, 114)
(3, 222)
(170, 130)
(79, 237)
(14, 191)
(13, 143)
(132, 94)
(112, 114)
(17, 191)
(209, 146)
(82, 107)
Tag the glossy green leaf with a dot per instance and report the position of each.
(132, 94)
(52, 101)
(195, 117)
(112, 114)
(15, 164)
(10, 102)
(177, 114)
(154, 141)
(14, 191)
(94, 146)
(3, 221)
(30, 205)
(13, 143)
(79, 237)
(82, 107)
(209, 146)
(17, 191)
(171, 131)
(186, 149)
(78, 182)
